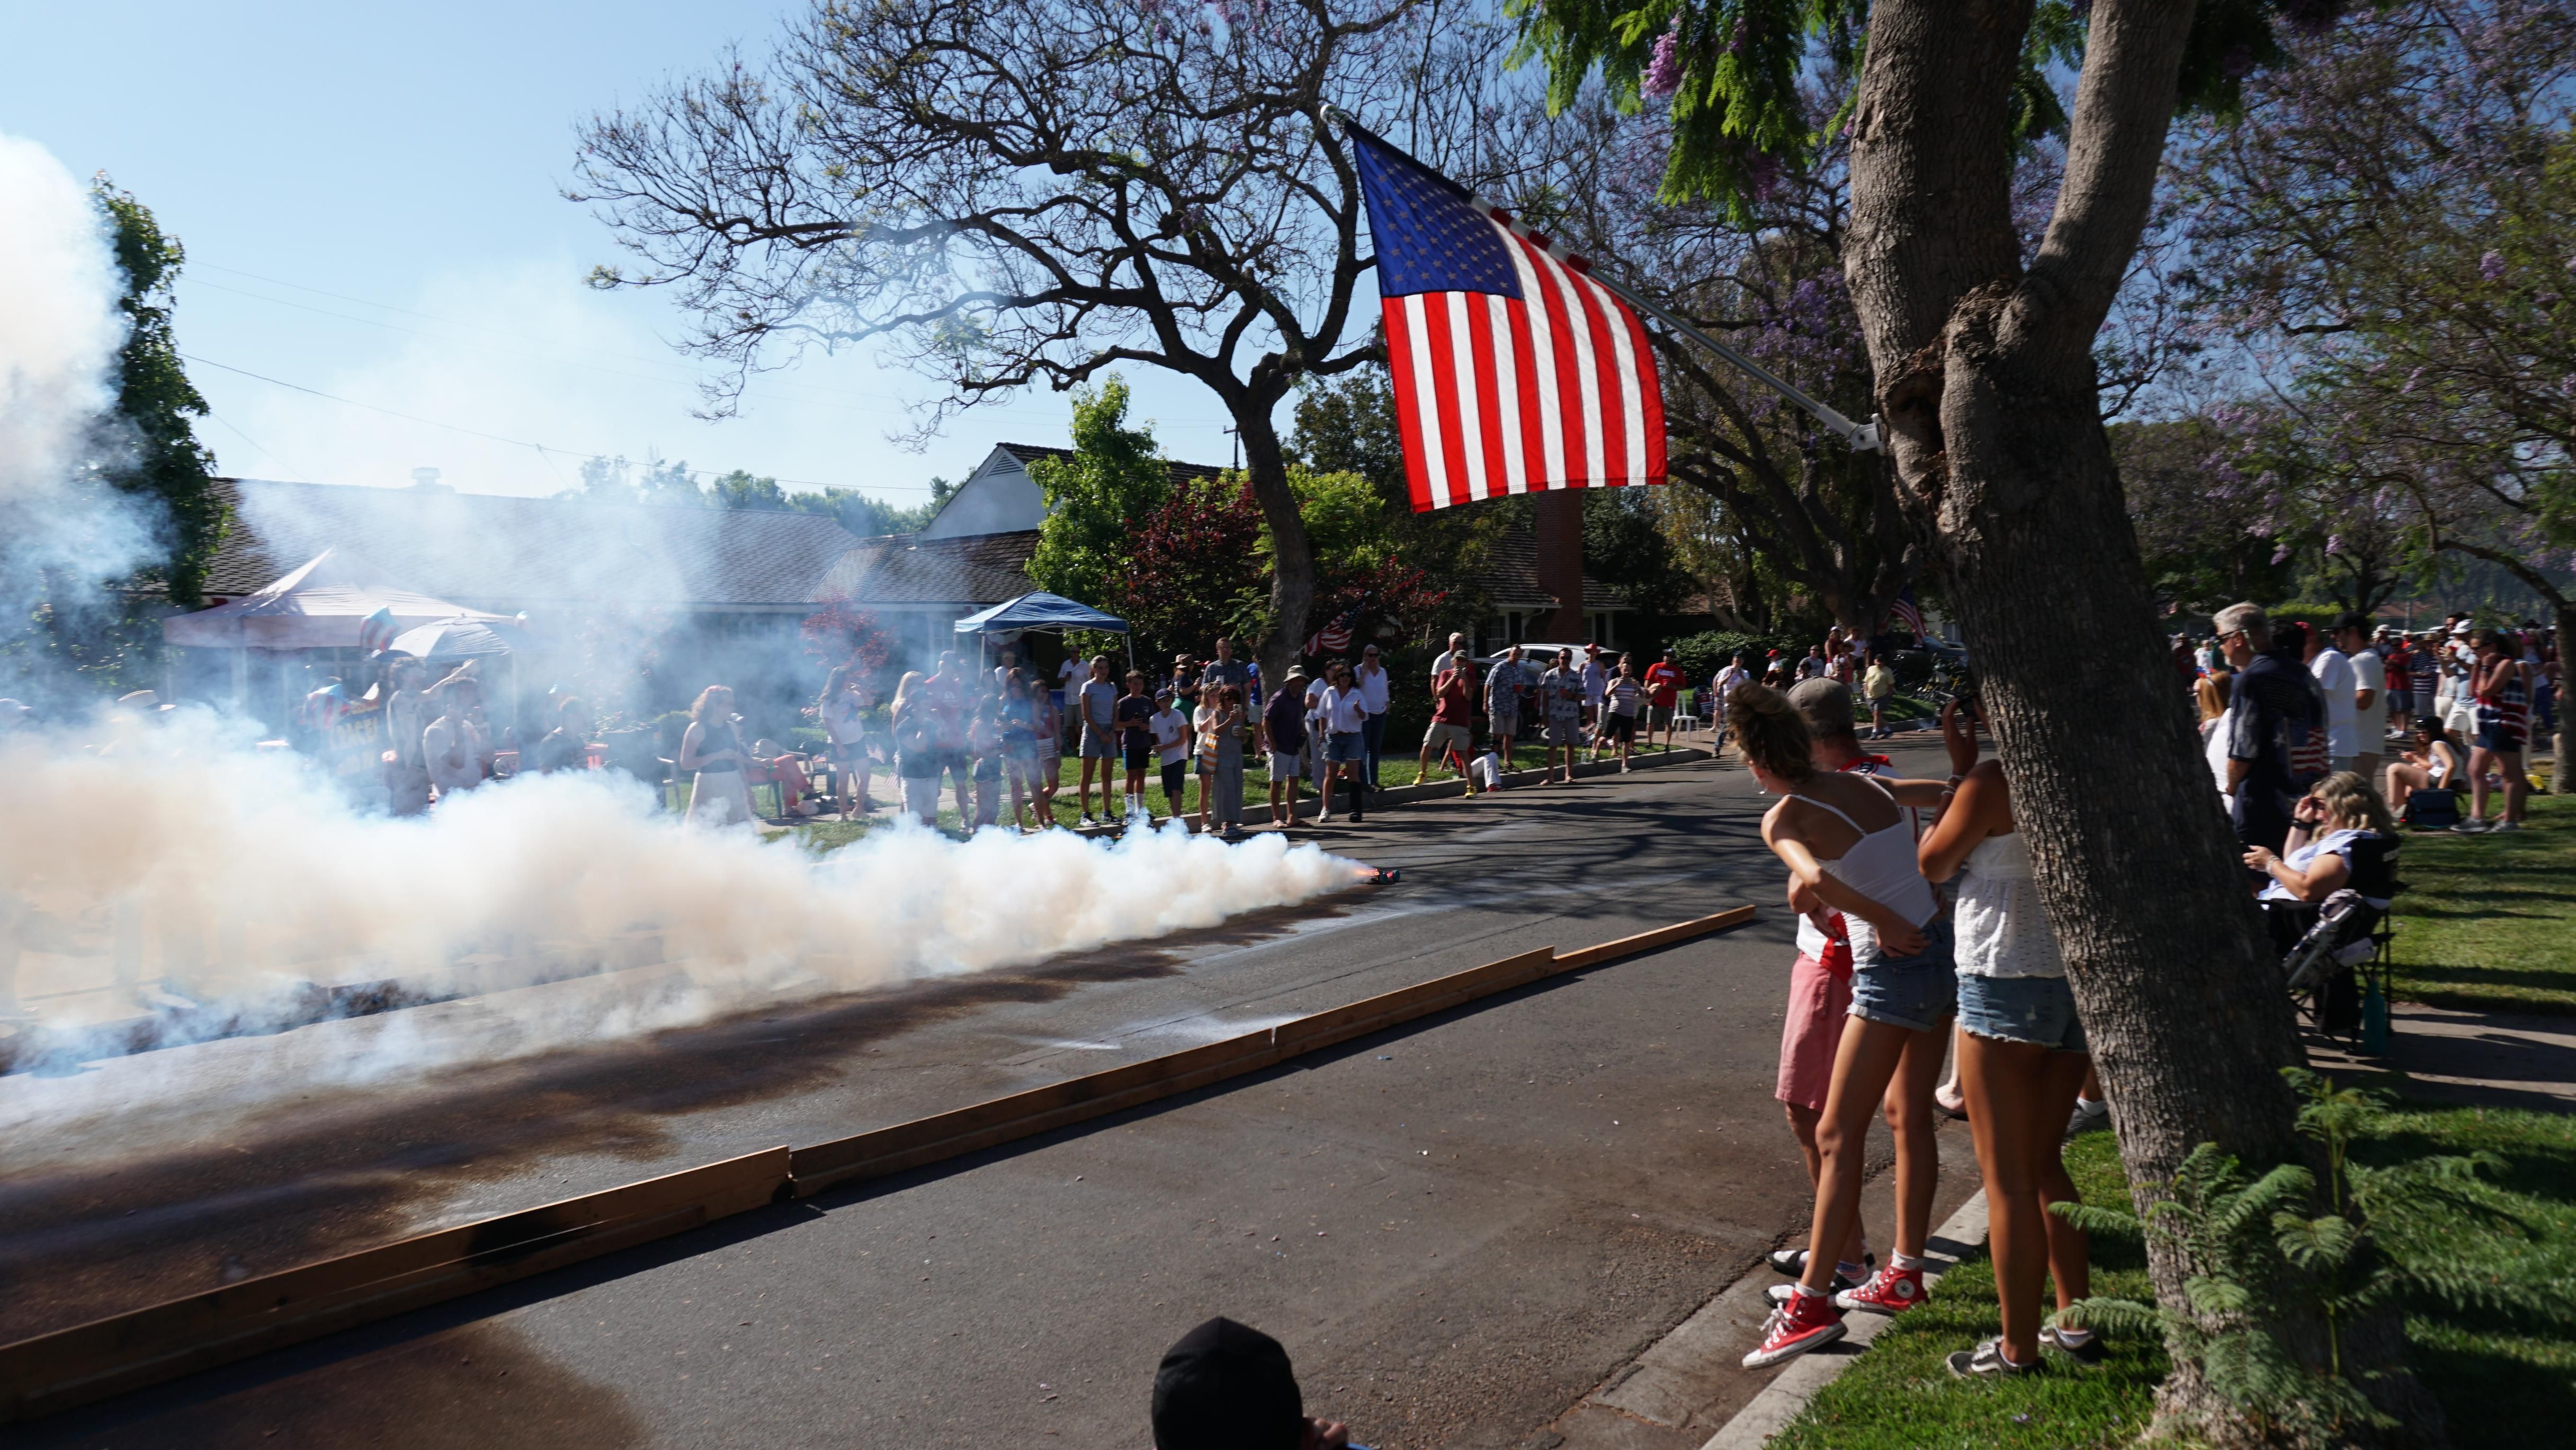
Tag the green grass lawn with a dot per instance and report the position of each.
(1394, 770)
(2489, 922)
(2504, 1381)
(2486, 922)
(1899, 1394)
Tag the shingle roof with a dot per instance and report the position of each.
(962, 569)
(1181, 472)
(1511, 579)
(493, 551)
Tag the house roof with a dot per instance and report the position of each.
(528, 553)
(1180, 472)
(1511, 579)
(965, 570)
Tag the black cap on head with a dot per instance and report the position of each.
(1226, 1386)
(2353, 621)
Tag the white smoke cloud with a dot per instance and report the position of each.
(224, 885)
(59, 332)
(166, 880)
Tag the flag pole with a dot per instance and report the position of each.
(1861, 436)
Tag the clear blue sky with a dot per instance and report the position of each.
(370, 203)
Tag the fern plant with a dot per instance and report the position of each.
(2364, 1238)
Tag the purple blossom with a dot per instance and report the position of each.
(2280, 552)
(2411, 380)
(1763, 171)
(2567, 386)
(2491, 266)
(2334, 544)
(1664, 68)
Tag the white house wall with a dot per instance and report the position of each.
(1000, 498)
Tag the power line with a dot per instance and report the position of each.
(765, 392)
(541, 449)
(566, 359)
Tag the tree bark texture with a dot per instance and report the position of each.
(1292, 574)
(1986, 380)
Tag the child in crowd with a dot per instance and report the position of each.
(1133, 718)
(1171, 730)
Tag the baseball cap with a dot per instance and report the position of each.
(1227, 1386)
(1825, 704)
(2460, 628)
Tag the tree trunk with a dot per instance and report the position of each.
(1292, 576)
(1986, 378)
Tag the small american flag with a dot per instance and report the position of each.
(1514, 371)
(1336, 635)
(1906, 612)
(377, 630)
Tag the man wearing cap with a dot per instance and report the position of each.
(1283, 739)
(1227, 1386)
(2276, 726)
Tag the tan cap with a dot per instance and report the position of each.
(1826, 706)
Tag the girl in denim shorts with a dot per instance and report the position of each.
(2022, 1059)
(1847, 843)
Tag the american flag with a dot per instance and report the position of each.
(1514, 371)
(377, 630)
(1906, 612)
(1336, 635)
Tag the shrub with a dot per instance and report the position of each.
(1701, 656)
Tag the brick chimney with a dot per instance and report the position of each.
(1557, 517)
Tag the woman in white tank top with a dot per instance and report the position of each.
(2022, 1059)
(1848, 844)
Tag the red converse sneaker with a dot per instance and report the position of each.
(1889, 1291)
(1796, 1327)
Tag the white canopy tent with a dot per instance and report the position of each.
(322, 605)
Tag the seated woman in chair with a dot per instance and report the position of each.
(2432, 761)
(2340, 832)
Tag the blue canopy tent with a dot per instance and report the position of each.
(1042, 611)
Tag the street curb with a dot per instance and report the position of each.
(1781, 1400)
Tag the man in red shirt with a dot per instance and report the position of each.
(1663, 696)
(1453, 717)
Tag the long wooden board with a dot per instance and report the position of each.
(163, 1341)
(109, 1356)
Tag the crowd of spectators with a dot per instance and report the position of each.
(1918, 918)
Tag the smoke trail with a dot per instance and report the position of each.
(169, 873)
(59, 332)
(237, 880)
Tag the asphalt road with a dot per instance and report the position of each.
(1458, 1228)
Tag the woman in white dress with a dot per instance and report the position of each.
(712, 749)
